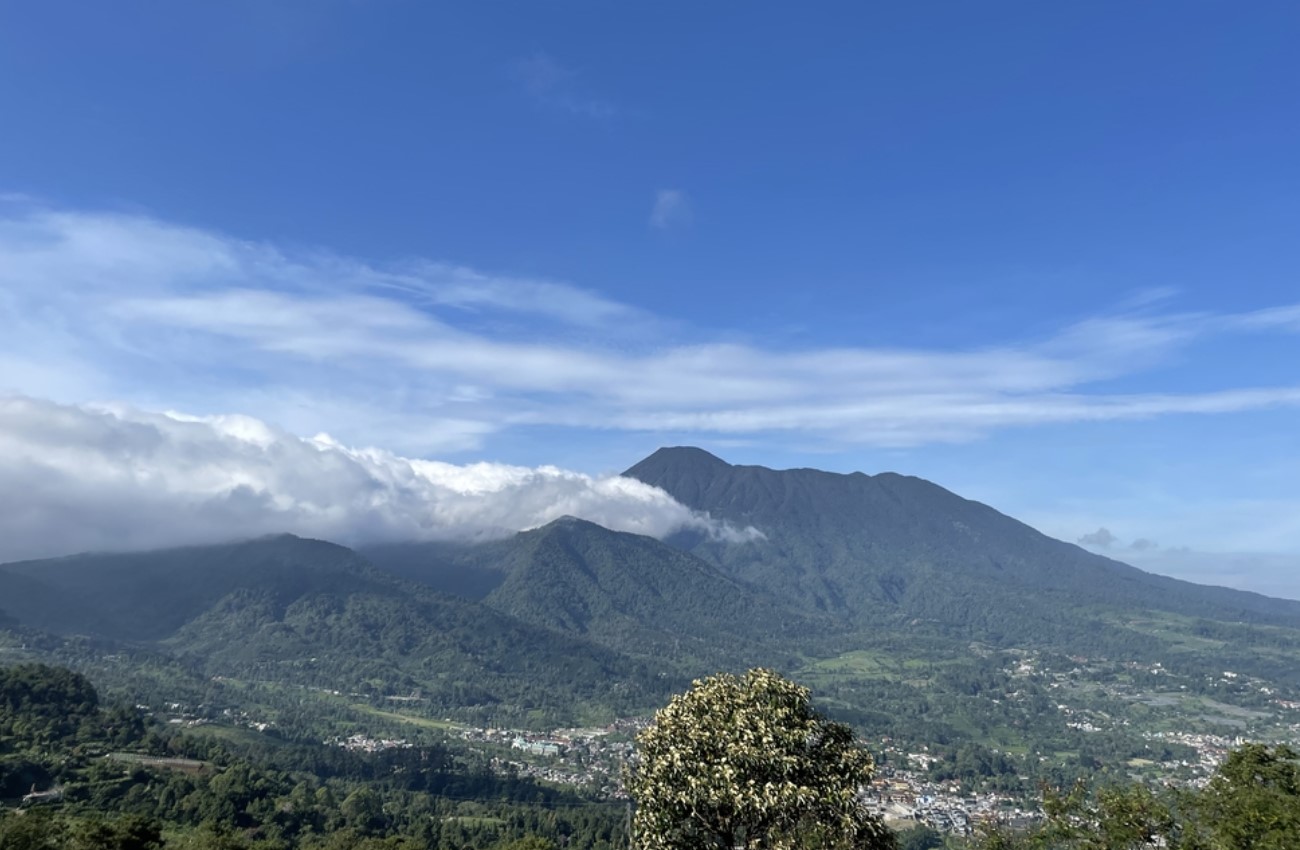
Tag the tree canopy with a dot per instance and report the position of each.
(1251, 803)
(1254, 799)
(747, 762)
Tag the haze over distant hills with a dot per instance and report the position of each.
(574, 614)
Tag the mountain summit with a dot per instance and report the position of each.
(895, 548)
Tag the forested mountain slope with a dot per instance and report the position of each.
(626, 591)
(572, 618)
(316, 614)
(863, 547)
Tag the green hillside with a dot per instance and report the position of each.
(625, 591)
(897, 550)
(314, 614)
(638, 595)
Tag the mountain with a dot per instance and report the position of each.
(148, 596)
(898, 549)
(625, 591)
(315, 614)
(574, 620)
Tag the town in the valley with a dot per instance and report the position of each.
(1199, 730)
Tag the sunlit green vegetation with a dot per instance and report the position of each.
(118, 781)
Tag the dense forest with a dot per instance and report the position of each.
(106, 777)
(79, 773)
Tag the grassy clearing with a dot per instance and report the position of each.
(474, 822)
(179, 765)
(422, 722)
(237, 735)
(860, 664)
(1179, 633)
(1173, 629)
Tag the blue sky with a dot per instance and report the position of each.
(1044, 254)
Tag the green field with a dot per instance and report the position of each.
(422, 722)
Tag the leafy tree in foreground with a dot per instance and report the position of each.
(746, 762)
(920, 837)
(1254, 800)
(1251, 803)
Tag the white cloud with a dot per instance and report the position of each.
(457, 286)
(427, 358)
(77, 478)
(671, 209)
(1286, 317)
(1099, 539)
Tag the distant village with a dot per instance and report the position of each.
(902, 791)
(592, 757)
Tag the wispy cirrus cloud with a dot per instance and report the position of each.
(671, 209)
(427, 357)
(442, 285)
(1286, 317)
(554, 86)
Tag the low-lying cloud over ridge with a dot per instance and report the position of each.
(78, 478)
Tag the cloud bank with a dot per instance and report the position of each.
(75, 479)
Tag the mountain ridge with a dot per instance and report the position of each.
(846, 561)
(627, 591)
(313, 613)
(856, 542)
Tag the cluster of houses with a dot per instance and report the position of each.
(53, 795)
(1210, 749)
(366, 744)
(901, 795)
(592, 758)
